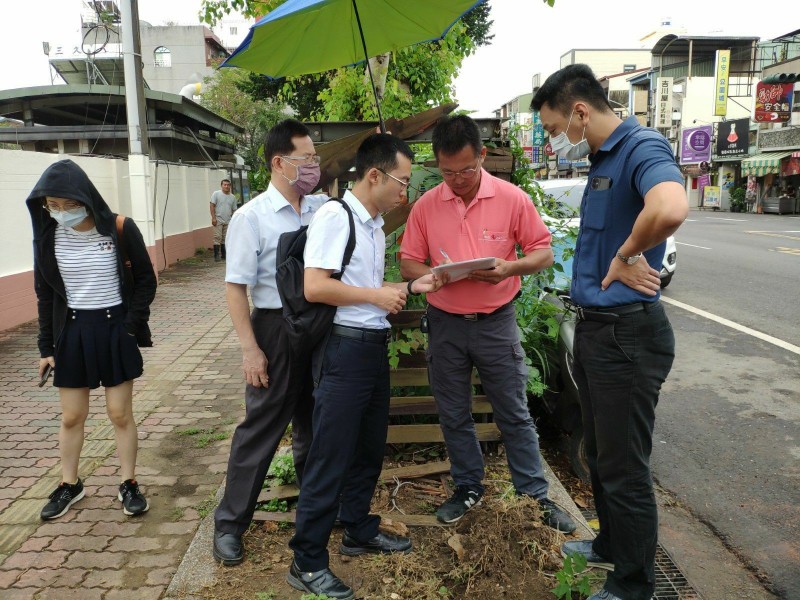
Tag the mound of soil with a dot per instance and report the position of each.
(500, 549)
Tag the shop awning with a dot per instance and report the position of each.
(764, 163)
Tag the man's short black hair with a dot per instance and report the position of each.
(224, 180)
(279, 139)
(379, 151)
(452, 134)
(568, 85)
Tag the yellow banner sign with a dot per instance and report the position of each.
(721, 88)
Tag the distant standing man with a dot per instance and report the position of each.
(351, 412)
(223, 205)
(624, 345)
(279, 385)
(472, 322)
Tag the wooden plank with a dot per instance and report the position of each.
(405, 318)
(416, 520)
(425, 405)
(414, 434)
(417, 376)
(413, 471)
(279, 492)
(261, 516)
(411, 520)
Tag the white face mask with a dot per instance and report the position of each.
(70, 218)
(566, 149)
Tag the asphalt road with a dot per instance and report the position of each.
(727, 438)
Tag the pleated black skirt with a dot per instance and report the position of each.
(94, 349)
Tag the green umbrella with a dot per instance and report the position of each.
(310, 36)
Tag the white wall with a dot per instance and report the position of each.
(190, 189)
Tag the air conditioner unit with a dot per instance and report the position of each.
(677, 88)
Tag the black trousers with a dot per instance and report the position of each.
(619, 369)
(351, 417)
(268, 411)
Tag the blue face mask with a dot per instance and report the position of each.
(70, 218)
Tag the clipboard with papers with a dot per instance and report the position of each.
(460, 270)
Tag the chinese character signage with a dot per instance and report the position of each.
(536, 155)
(663, 104)
(721, 87)
(733, 138)
(773, 102)
(527, 152)
(695, 145)
(702, 182)
(711, 196)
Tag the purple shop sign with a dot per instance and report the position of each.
(696, 144)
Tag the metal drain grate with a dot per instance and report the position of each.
(671, 584)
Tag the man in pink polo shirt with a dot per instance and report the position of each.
(472, 322)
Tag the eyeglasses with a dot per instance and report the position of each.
(400, 181)
(465, 173)
(308, 158)
(67, 206)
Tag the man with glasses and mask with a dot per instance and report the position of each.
(279, 384)
(472, 322)
(624, 345)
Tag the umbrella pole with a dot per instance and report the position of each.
(369, 69)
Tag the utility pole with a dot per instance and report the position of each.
(136, 109)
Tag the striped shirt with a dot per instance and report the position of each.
(87, 261)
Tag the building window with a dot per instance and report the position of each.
(162, 57)
(234, 30)
(628, 68)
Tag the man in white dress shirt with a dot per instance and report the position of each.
(352, 400)
(279, 385)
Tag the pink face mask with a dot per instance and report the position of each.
(307, 178)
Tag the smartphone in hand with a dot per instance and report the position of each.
(48, 370)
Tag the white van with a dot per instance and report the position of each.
(570, 193)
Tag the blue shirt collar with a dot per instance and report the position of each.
(622, 130)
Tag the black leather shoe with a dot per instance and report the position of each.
(381, 544)
(228, 548)
(322, 582)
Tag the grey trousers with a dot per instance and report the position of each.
(491, 344)
(268, 411)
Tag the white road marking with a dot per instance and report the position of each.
(733, 325)
(727, 219)
(692, 245)
(689, 220)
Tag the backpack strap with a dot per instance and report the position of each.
(120, 220)
(351, 240)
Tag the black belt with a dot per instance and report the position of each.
(606, 314)
(476, 316)
(375, 336)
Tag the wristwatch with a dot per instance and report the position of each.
(629, 260)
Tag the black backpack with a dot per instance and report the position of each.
(308, 322)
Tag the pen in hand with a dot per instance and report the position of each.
(447, 258)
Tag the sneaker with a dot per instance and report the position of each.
(133, 501)
(64, 496)
(555, 517)
(585, 548)
(458, 504)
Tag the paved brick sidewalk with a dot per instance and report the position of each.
(186, 405)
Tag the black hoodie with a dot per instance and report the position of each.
(65, 179)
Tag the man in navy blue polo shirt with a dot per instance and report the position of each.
(624, 345)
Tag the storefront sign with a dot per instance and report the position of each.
(721, 88)
(773, 102)
(695, 145)
(663, 116)
(711, 196)
(527, 152)
(702, 182)
(733, 138)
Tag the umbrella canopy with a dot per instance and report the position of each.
(308, 36)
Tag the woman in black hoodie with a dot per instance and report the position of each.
(94, 289)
